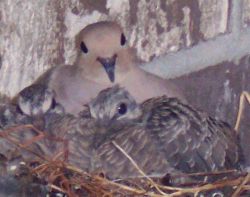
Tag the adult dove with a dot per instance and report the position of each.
(104, 59)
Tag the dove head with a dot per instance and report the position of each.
(103, 52)
(37, 100)
(114, 106)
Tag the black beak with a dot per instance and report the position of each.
(109, 66)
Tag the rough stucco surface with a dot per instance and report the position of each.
(246, 13)
(36, 35)
(210, 11)
(30, 41)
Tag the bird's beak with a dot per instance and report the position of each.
(109, 66)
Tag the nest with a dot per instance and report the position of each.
(56, 175)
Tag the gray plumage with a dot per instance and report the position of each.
(38, 110)
(35, 100)
(162, 135)
(58, 128)
(38, 102)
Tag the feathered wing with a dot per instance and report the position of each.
(190, 140)
(136, 142)
(75, 136)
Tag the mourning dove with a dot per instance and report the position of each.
(162, 135)
(38, 102)
(58, 127)
(39, 110)
(104, 59)
(28, 106)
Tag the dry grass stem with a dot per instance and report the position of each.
(61, 176)
(244, 95)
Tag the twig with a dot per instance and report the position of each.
(238, 190)
(243, 95)
(207, 187)
(138, 168)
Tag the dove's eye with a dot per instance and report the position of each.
(122, 109)
(84, 48)
(123, 39)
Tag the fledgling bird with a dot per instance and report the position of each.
(58, 127)
(104, 59)
(38, 110)
(35, 104)
(162, 135)
(10, 116)
(38, 102)
(28, 107)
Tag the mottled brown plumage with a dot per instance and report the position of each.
(163, 136)
(55, 128)
(77, 134)
(11, 116)
(38, 110)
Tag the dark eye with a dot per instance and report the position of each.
(122, 109)
(123, 39)
(84, 48)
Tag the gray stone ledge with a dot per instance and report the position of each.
(225, 47)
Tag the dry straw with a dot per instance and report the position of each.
(63, 177)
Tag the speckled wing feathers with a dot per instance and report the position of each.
(135, 141)
(190, 140)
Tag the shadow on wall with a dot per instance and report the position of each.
(217, 90)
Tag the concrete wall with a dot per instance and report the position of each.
(193, 34)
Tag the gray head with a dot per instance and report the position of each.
(36, 100)
(38, 103)
(114, 105)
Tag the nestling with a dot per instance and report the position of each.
(162, 135)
